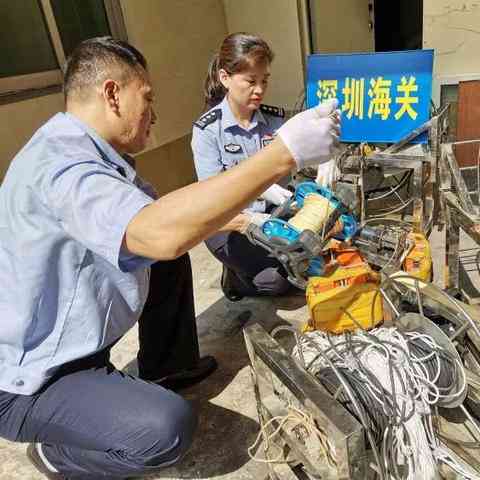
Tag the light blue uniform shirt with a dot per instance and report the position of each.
(67, 289)
(219, 142)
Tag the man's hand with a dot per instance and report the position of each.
(311, 136)
(253, 218)
(276, 194)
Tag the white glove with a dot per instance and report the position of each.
(326, 173)
(310, 136)
(254, 218)
(276, 194)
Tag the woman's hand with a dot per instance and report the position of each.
(276, 194)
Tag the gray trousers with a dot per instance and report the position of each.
(95, 422)
(260, 274)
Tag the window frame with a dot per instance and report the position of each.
(22, 87)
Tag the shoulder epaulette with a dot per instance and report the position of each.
(274, 111)
(208, 118)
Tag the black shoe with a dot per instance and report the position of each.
(228, 283)
(38, 463)
(188, 377)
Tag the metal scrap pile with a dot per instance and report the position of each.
(425, 345)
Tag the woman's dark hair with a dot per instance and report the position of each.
(238, 52)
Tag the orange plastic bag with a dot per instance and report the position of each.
(347, 292)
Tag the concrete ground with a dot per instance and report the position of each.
(228, 418)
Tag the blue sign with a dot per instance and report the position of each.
(382, 96)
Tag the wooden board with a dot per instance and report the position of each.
(468, 122)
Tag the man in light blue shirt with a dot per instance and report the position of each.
(78, 233)
(69, 289)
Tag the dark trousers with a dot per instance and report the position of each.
(95, 422)
(167, 329)
(259, 274)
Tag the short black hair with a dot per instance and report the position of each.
(93, 60)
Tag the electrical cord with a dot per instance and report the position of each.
(394, 406)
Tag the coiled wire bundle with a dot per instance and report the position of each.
(315, 215)
(391, 381)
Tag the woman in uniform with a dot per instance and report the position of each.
(235, 126)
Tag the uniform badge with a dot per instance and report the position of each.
(233, 148)
(267, 139)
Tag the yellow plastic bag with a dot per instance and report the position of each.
(347, 289)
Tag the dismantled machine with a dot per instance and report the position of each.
(383, 381)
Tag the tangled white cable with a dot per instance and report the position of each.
(402, 375)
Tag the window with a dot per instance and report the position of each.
(37, 35)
